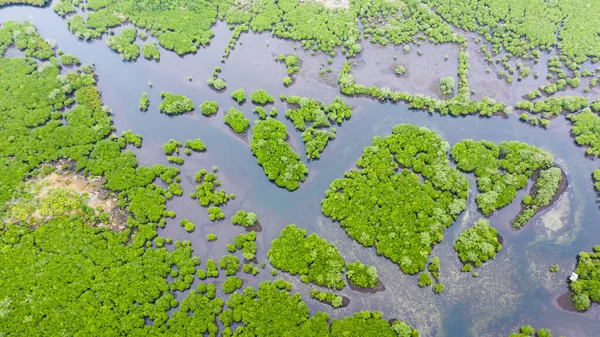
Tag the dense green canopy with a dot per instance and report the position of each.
(501, 170)
(402, 216)
(280, 162)
(316, 260)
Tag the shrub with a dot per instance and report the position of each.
(239, 95)
(478, 244)
(447, 85)
(175, 104)
(236, 120)
(262, 97)
(209, 107)
(362, 275)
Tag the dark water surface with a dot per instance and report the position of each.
(514, 289)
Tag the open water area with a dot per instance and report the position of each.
(512, 290)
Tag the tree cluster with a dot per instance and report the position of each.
(125, 44)
(313, 258)
(280, 162)
(362, 275)
(173, 104)
(478, 243)
(587, 287)
(390, 208)
(327, 297)
(545, 189)
(244, 218)
(236, 120)
(501, 170)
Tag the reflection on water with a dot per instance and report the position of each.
(512, 290)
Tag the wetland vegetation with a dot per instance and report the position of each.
(68, 180)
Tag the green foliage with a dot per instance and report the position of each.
(209, 108)
(68, 60)
(239, 95)
(231, 284)
(95, 25)
(424, 279)
(247, 244)
(529, 331)
(554, 268)
(125, 44)
(316, 115)
(150, 51)
(108, 268)
(257, 309)
(477, 244)
(216, 82)
(400, 70)
(194, 145)
(244, 218)
(434, 267)
(230, 264)
(544, 191)
(501, 170)
(206, 190)
(410, 215)
(210, 237)
(248, 268)
(144, 102)
(447, 85)
(131, 138)
(279, 161)
(362, 275)
(366, 323)
(61, 7)
(460, 104)
(586, 288)
(292, 63)
(586, 126)
(315, 259)
(171, 147)
(315, 141)
(211, 268)
(175, 160)
(175, 104)
(262, 97)
(215, 213)
(553, 106)
(187, 224)
(327, 297)
(236, 120)
(438, 288)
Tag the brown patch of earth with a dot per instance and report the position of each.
(89, 188)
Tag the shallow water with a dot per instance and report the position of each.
(512, 290)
